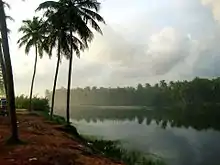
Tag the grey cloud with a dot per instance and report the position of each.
(208, 62)
(165, 50)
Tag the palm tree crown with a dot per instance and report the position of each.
(76, 14)
(33, 35)
(57, 35)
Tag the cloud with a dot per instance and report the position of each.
(113, 47)
(157, 56)
(208, 62)
(215, 6)
(166, 49)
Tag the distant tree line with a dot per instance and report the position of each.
(198, 91)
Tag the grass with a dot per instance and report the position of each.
(114, 150)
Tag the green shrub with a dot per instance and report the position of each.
(21, 102)
(59, 119)
(38, 104)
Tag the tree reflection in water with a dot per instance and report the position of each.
(199, 118)
(186, 146)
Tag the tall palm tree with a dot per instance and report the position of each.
(33, 36)
(76, 14)
(58, 36)
(9, 74)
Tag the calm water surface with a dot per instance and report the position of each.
(177, 146)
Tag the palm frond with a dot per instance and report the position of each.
(28, 46)
(93, 14)
(48, 5)
(65, 46)
(82, 29)
(90, 4)
(76, 44)
(10, 18)
(21, 43)
(40, 50)
(24, 29)
(6, 5)
(27, 22)
(93, 23)
(24, 38)
(82, 46)
(48, 44)
(76, 50)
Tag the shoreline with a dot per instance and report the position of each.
(113, 150)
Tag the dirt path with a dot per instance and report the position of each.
(46, 145)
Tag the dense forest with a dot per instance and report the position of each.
(198, 91)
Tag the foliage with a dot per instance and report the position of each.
(33, 35)
(196, 92)
(38, 104)
(59, 119)
(114, 150)
(76, 16)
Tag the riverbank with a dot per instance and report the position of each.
(45, 143)
(107, 148)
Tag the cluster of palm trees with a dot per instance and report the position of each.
(66, 26)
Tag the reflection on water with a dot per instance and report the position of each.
(177, 141)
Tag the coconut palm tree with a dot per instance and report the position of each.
(76, 14)
(58, 36)
(9, 74)
(33, 36)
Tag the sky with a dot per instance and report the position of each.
(144, 41)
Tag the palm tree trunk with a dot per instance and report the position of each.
(69, 82)
(9, 74)
(55, 81)
(3, 71)
(32, 82)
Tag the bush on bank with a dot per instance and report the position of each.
(38, 104)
